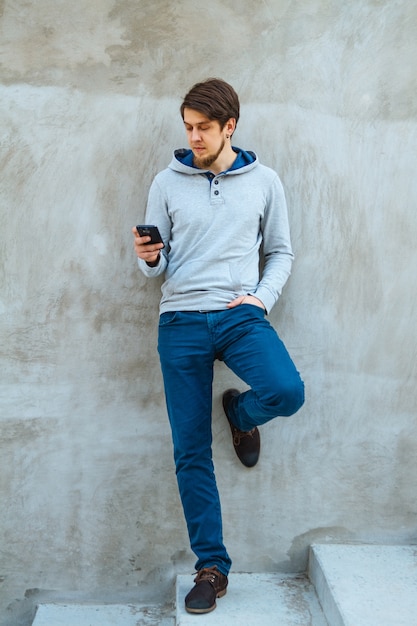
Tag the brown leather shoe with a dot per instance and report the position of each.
(247, 444)
(209, 585)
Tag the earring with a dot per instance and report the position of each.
(227, 136)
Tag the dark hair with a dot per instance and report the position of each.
(215, 98)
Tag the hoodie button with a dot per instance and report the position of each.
(216, 182)
(216, 193)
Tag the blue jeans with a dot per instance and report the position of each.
(188, 345)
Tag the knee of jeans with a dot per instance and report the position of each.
(294, 397)
(287, 400)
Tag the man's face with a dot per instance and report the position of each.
(205, 137)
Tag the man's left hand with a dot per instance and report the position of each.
(246, 300)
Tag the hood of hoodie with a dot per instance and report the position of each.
(182, 161)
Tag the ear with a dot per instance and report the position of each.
(230, 126)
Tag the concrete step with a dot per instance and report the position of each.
(366, 585)
(257, 600)
(251, 600)
(357, 585)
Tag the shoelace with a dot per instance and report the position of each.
(239, 434)
(207, 573)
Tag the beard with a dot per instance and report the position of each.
(205, 162)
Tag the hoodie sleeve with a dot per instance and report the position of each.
(277, 250)
(157, 214)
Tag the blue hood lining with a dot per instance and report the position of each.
(243, 158)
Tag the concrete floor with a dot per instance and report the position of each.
(101, 615)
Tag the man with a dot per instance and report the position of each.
(215, 205)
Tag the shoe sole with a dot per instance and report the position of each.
(221, 594)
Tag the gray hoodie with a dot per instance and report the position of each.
(213, 227)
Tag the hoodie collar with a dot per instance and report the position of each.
(243, 159)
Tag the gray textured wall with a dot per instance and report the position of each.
(89, 114)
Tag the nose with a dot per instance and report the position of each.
(195, 134)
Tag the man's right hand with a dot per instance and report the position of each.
(144, 250)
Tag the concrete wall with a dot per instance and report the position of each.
(89, 113)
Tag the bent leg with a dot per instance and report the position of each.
(258, 356)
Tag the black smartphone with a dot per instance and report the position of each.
(147, 230)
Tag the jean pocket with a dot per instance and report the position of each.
(254, 308)
(167, 318)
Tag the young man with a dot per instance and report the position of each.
(215, 205)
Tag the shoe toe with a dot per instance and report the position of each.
(201, 599)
